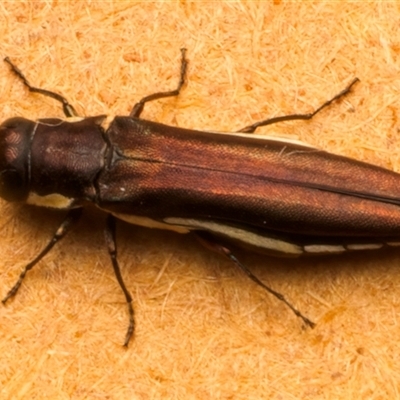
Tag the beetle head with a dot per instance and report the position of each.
(15, 142)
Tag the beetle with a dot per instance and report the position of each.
(273, 195)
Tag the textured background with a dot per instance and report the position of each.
(203, 330)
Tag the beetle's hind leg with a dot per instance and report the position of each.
(68, 108)
(211, 243)
(138, 107)
(292, 117)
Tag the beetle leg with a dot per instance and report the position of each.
(138, 107)
(109, 234)
(210, 242)
(65, 226)
(68, 108)
(291, 117)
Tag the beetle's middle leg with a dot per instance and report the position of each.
(292, 117)
(109, 234)
(68, 108)
(210, 242)
(138, 107)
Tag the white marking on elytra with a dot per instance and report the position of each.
(267, 138)
(324, 248)
(364, 246)
(241, 235)
(148, 222)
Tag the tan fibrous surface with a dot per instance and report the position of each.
(203, 330)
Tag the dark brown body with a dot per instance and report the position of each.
(272, 188)
(274, 196)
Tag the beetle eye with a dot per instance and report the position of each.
(12, 186)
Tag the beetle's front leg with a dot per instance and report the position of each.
(109, 234)
(65, 226)
(68, 108)
(208, 240)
